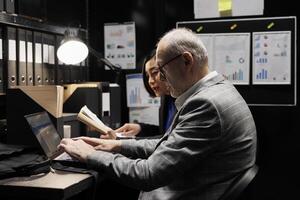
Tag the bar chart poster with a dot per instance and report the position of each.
(137, 96)
(232, 57)
(272, 57)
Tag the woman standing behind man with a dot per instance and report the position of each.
(156, 88)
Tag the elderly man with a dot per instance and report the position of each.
(212, 138)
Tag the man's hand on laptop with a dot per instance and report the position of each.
(102, 144)
(81, 147)
(76, 148)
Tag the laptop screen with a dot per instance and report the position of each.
(45, 132)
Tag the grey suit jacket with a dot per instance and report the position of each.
(212, 139)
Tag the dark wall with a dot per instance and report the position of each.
(278, 135)
(66, 12)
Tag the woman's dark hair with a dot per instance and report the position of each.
(145, 77)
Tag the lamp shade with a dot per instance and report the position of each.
(72, 51)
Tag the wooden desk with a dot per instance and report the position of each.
(53, 185)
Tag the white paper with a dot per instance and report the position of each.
(87, 112)
(105, 101)
(29, 52)
(12, 50)
(45, 53)
(206, 9)
(120, 45)
(1, 50)
(232, 56)
(148, 115)
(38, 53)
(51, 54)
(272, 57)
(137, 96)
(22, 51)
(246, 7)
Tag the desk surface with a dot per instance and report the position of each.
(53, 185)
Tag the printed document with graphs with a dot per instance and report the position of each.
(87, 117)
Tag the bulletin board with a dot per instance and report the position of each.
(258, 55)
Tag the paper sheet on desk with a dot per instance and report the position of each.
(122, 136)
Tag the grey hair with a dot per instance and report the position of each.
(182, 39)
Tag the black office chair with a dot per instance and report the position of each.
(240, 184)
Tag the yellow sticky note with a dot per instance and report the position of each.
(225, 7)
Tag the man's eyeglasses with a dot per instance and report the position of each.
(161, 67)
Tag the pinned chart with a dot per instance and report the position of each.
(137, 95)
(229, 54)
(142, 107)
(232, 56)
(271, 57)
(120, 44)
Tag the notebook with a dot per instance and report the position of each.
(48, 138)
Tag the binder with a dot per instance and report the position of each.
(60, 66)
(60, 74)
(22, 74)
(81, 75)
(67, 73)
(1, 5)
(74, 72)
(45, 60)
(12, 56)
(10, 6)
(29, 63)
(51, 64)
(1, 63)
(78, 73)
(83, 71)
(38, 73)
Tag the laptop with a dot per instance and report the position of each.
(48, 138)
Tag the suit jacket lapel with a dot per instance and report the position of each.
(208, 83)
(167, 133)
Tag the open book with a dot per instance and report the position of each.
(87, 117)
